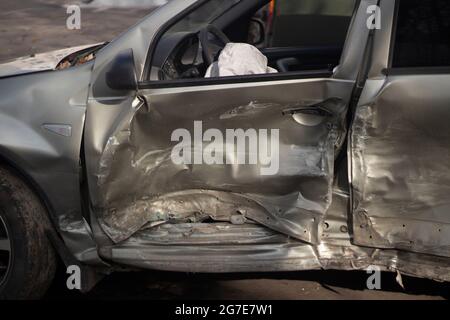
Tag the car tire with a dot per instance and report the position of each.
(27, 258)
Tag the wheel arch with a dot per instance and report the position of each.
(7, 162)
(53, 234)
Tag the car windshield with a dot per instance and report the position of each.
(203, 15)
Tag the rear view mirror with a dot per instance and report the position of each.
(256, 32)
(122, 72)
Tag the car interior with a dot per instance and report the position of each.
(187, 48)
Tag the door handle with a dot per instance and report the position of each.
(317, 109)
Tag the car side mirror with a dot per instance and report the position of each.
(256, 32)
(122, 72)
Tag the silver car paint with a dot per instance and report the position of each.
(263, 251)
(28, 102)
(112, 159)
(400, 158)
(50, 160)
(139, 183)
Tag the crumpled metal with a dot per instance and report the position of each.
(140, 185)
(400, 167)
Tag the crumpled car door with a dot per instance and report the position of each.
(281, 177)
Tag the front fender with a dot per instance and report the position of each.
(41, 127)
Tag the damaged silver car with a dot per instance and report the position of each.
(163, 150)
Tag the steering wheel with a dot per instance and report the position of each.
(212, 48)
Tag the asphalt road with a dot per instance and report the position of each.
(34, 26)
(307, 285)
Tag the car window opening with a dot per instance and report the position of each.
(277, 40)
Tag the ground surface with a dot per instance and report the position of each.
(277, 286)
(34, 26)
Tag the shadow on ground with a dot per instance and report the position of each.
(291, 285)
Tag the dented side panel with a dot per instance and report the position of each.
(139, 182)
(401, 165)
(134, 183)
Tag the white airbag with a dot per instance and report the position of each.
(238, 59)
